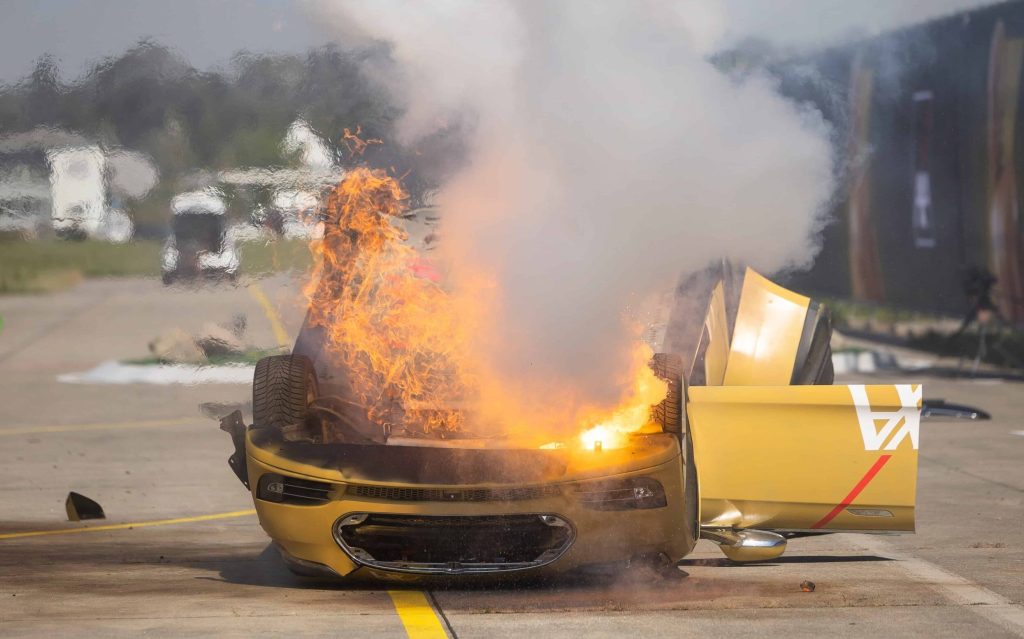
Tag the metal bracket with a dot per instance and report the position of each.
(233, 425)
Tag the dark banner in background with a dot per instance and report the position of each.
(931, 178)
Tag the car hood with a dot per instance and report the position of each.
(404, 465)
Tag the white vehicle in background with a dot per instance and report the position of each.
(79, 194)
(295, 192)
(298, 213)
(24, 206)
(201, 243)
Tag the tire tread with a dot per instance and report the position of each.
(280, 388)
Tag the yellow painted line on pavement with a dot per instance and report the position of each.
(68, 428)
(137, 524)
(280, 334)
(418, 616)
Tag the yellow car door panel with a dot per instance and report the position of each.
(806, 458)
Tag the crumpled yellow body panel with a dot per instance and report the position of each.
(716, 326)
(769, 323)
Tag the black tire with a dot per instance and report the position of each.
(669, 413)
(691, 495)
(283, 386)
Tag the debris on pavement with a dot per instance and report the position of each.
(807, 586)
(223, 340)
(213, 342)
(80, 508)
(176, 346)
(942, 408)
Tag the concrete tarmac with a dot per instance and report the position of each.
(147, 455)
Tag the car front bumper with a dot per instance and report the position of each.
(308, 534)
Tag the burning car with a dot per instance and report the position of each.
(353, 466)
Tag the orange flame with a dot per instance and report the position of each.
(401, 338)
(395, 334)
(605, 430)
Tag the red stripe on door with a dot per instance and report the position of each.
(861, 485)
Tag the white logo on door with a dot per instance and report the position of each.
(900, 424)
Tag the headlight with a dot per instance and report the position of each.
(632, 493)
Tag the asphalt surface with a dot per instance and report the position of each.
(148, 455)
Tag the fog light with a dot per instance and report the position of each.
(642, 492)
(271, 487)
(632, 493)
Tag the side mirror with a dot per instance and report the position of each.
(747, 545)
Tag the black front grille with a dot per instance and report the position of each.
(283, 489)
(453, 494)
(408, 543)
(303, 491)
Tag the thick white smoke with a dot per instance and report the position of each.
(608, 156)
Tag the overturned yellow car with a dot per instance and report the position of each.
(752, 446)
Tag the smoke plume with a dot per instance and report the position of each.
(607, 156)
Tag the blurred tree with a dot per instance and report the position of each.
(150, 99)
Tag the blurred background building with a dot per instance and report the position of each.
(928, 130)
